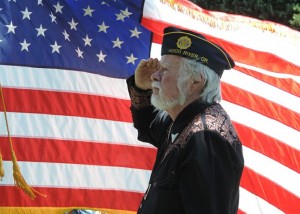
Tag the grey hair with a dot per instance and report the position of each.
(211, 92)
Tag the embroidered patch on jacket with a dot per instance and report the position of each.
(140, 100)
(216, 119)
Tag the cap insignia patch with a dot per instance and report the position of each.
(184, 42)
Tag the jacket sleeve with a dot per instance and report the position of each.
(209, 175)
(148, 121)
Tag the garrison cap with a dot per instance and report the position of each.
(195, 46)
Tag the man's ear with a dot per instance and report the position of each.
(197, 85)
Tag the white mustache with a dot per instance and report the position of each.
(156, 84)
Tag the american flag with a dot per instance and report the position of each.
(63, 66)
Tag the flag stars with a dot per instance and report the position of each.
(117, 43)
(131, 59)
(66, 35)
(87, 41)
(103, 27)
(24, 45)
(126, 13)
(40, 2)
(41, 31)
(58, 8)
(104, 2)
(26, 14)
(79, 53)
(120, 16)
(88, 11)
(53, 18)
(11, 28)
(73, 24)
(101, 57)
(55, 47)
(135, 33)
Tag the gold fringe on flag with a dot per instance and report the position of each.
(18, 177)
(1, 167)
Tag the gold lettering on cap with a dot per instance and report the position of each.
(184, 42)
(189, 54)
(174, 51)
(203, 59)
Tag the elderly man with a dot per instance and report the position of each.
(175, 107)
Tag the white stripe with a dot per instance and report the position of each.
(70, 128)
(98, 130)
(62, 80)
(276, 172)
(262, 89)
(252, 85)
(269, 73)
(252, 204)
(263, 124)
(79, 176)
(286, 47)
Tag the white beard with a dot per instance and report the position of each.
(162, 103)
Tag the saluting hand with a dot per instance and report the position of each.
(144, 71)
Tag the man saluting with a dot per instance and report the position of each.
(175, 105)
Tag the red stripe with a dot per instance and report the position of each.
(270, 191)
(241, 212)
(272, 148)
(73, 104)
(78, 152)
(286, 84)
(64, 103)
(17, 101)
(239, 53)
(260, 105)
(64, 197)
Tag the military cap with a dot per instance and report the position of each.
(195, 46)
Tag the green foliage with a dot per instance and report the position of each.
(295, 21)
(286, 12)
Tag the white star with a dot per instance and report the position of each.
(117, 43)
(66, 35)
(41, 31)
(40, 2)
(73, 24)
(58, 8)
(55, 47)
(12, 0)
(103, 2)
(79, 52)
(103, 27)
(87, 41)
(26, 14)
(135, 33)
(53, 18)
(88, 11)
(126, 13)
(11, 28)
(101, 56)
(24, 45)
(131, 59)
(120, 16)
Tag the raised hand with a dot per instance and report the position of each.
(144, 71)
